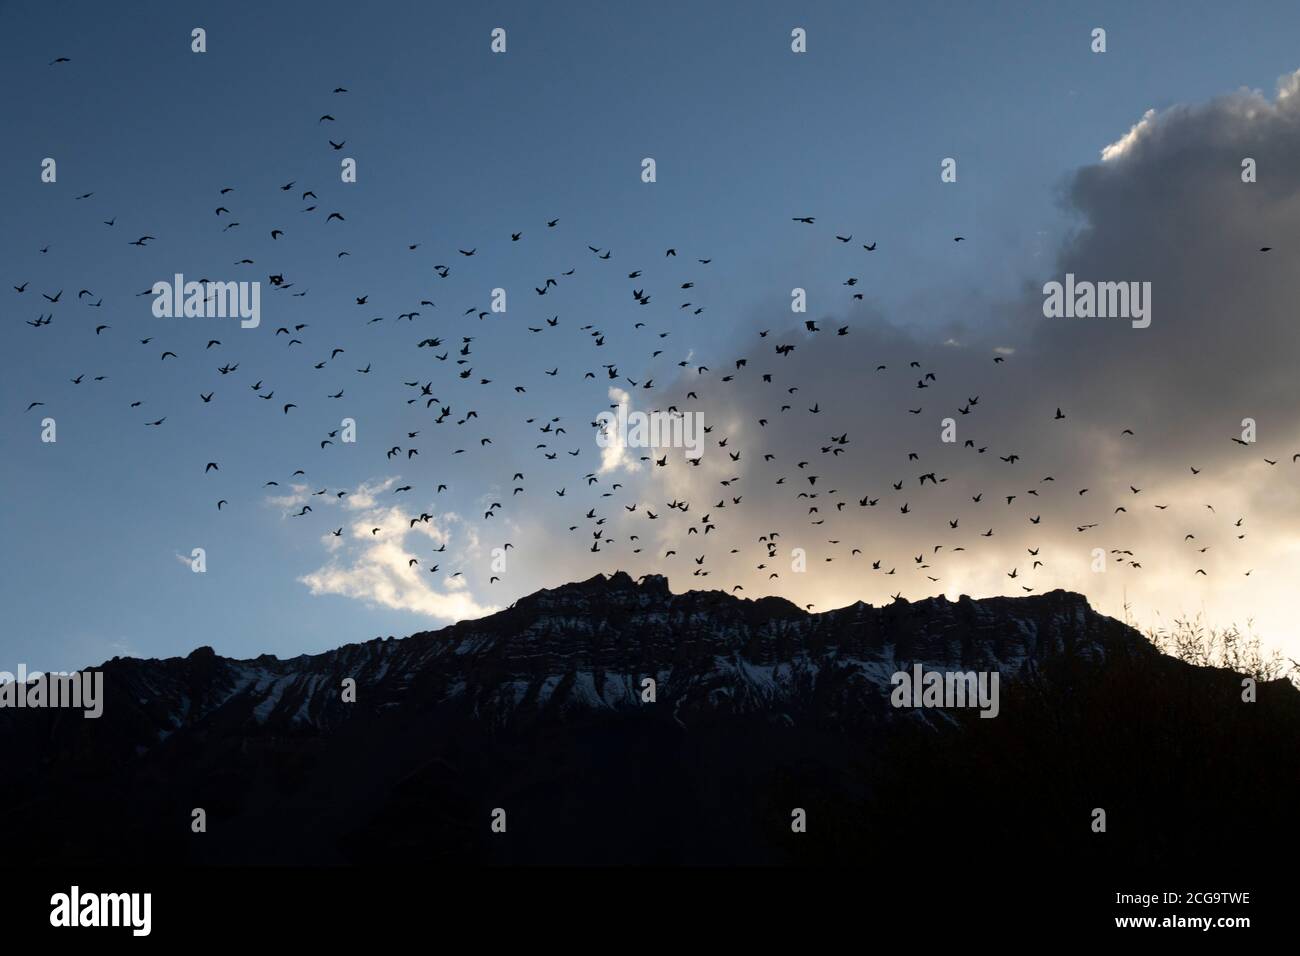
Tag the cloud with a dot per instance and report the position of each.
(1122, 145)
(614, 456)
(1166, 205)
(298, 495)
(371, 561)
(364, 495)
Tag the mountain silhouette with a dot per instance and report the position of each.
(759, 708)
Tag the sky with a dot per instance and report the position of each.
(458, 147)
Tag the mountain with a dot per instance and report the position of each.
(759, 708)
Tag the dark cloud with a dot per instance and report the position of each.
(1167, 206)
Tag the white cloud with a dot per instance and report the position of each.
(373, 563)
(363, 496)
(298, 495)
(614, 455)
(1125, 143)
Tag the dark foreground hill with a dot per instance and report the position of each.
(760, 708)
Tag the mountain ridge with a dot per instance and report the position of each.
(621, 580)
(757, 706)
(582, 630)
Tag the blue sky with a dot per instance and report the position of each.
(457, 148)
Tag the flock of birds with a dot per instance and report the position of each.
(440, 403)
